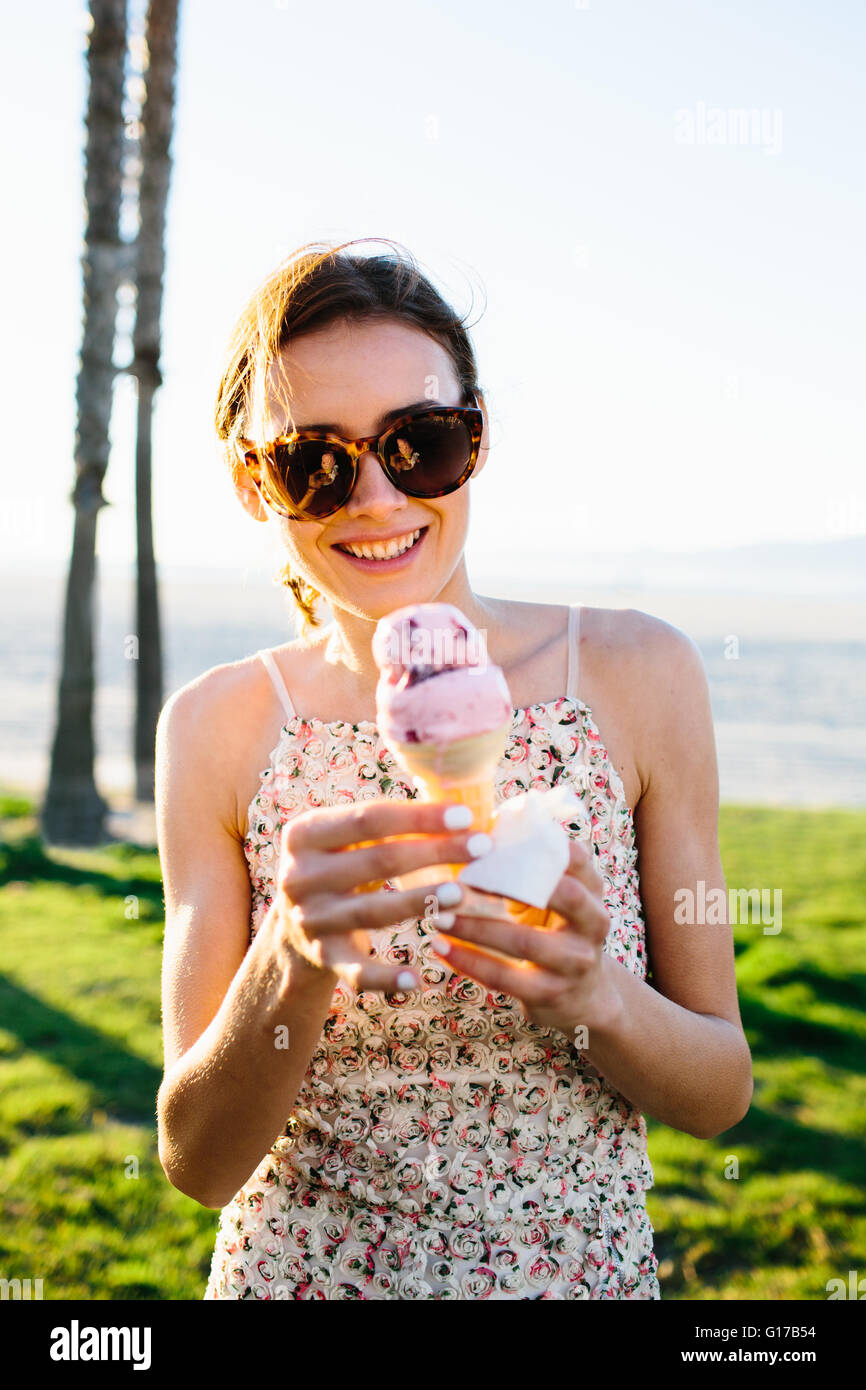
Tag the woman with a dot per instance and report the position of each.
(382, 1106)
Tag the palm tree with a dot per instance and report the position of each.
(73, 811)
(156, 121)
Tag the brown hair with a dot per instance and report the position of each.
(316, 285)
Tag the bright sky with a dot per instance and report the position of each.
(673, 341)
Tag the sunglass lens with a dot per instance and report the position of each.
(312, 476)
(430, 454)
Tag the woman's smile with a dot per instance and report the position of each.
(382, 553)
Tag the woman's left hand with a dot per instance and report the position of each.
(558, 972)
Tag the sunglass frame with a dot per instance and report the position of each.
(259, 461)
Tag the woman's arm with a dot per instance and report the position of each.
(674, 1047)
(227, 1088)
(242, 1021)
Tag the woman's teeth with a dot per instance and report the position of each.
(383, 550)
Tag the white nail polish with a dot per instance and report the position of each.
(405, 980)
(457, 818)
(445, 920)
(479, 844)
(449, 894)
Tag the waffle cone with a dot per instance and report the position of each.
(478, 796)
(458, 773)
(446, 766)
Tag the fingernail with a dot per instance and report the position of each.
(406, 980)
(445, 919)
(441, 945)
(449, 894)
(478, 844)
(457, 818)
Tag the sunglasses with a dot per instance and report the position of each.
(309, 475)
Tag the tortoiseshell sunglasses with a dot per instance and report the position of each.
(309, 475)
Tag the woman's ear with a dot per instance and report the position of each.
(484, 447)
(246, 491)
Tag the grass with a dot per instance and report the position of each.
(772, 1209)
(795, 1215)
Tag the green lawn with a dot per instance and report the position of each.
(86, 1207)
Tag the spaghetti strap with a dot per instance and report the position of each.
(573, 651)
(273, 671)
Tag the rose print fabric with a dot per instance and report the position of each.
(442, 1146)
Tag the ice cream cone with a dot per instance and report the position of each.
(444, 711)
(462, 771)
(478, 796)
(459, 773)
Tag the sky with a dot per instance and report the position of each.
(673, 300)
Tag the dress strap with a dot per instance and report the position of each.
(573, 651)
(273, 671)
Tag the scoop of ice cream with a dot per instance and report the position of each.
(436, 683)
(423, 638)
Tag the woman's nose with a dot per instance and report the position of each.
(374, 494)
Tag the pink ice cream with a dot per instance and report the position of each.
(436, 683)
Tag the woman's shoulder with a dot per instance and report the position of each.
(228, 698)
(644, 681)
(220, 729)
(638, 663)
(629, 634)
(214, 692)
(639, 636)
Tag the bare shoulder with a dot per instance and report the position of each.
(652, 671)
(626, 634)
(639, 638)
(645, 682)
(216, 733)
(209, 703)
(236, 688)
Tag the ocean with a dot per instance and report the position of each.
(787, 675)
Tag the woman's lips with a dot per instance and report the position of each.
(385, 566)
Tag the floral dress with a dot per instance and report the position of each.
(442, 1146)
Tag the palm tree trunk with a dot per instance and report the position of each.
(157, 120)
(73, 811)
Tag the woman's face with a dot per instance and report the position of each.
(345, 378)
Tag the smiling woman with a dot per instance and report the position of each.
(388, 1100)
(342, 523)
(381, 311)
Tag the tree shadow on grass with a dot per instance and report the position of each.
(26, 860)
(787, 1146)
(787, 1034)
(848, 991)
(123, 1084)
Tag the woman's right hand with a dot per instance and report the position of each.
(330, 860)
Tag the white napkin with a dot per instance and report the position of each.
(530, 846)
